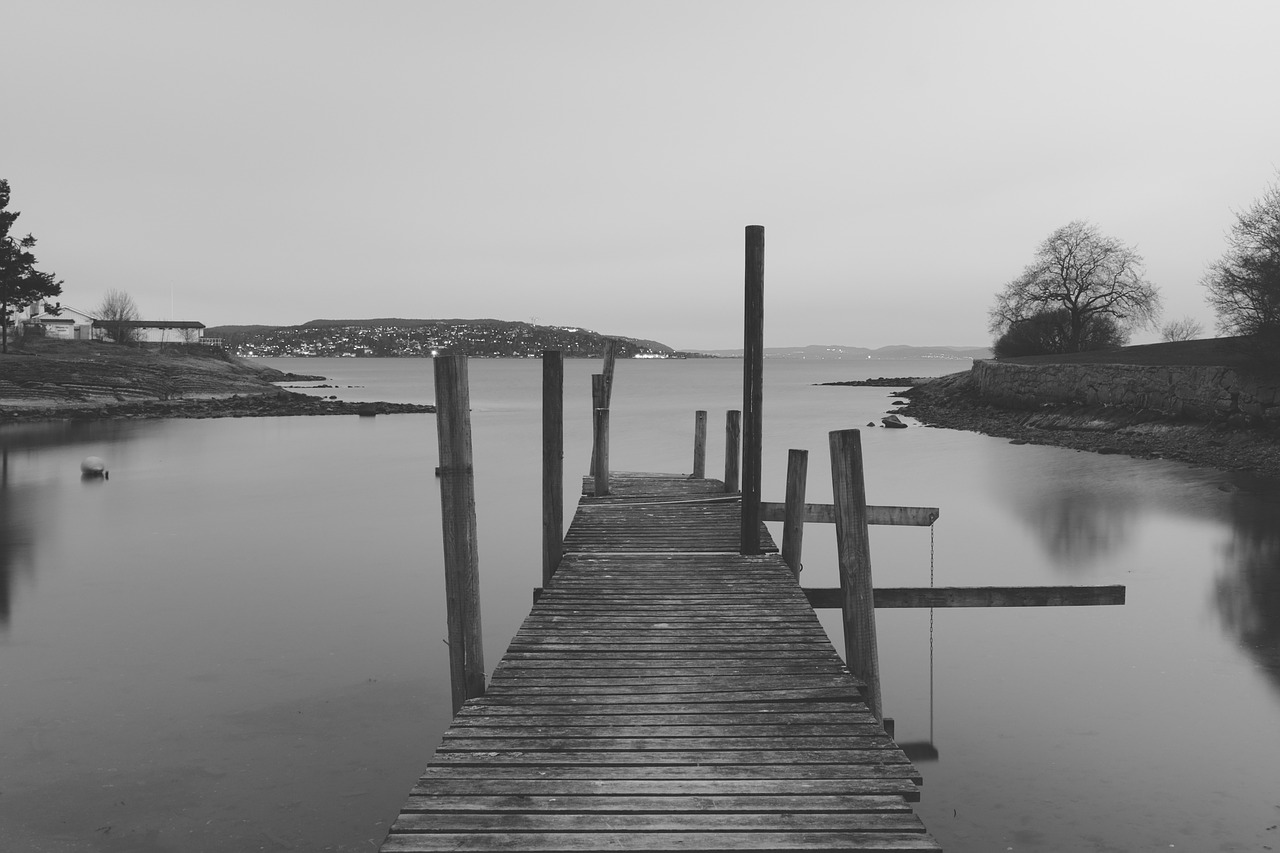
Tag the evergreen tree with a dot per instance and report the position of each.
(20, 282)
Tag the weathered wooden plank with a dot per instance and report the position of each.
(782, 694)
(889, 773)
(660, 723)
(747, 819)
(588, 842)
(979, 596)
(677, 757)
(913, 516)
(875, 794)
(536, 742)
(529, 728)
(681, 709)
(637, 804)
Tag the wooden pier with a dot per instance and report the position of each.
(666, 693)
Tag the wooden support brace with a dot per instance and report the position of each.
(977, 596)
(913, 516)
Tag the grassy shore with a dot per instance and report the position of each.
(46, 379)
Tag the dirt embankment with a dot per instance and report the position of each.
(44, 380)
(952, 402)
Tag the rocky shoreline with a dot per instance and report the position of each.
(952, 402)
(270, 405)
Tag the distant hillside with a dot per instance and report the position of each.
(397, 337)
(833, 352)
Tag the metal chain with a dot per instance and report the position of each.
(931, 554)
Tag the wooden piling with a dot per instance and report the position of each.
(458, 516)
(700, 445)
(610, 358)
(599, 392)
(732, 449)
(854, 553)
(600, 433)
(793, 525)
(752, 389)
(552, 462)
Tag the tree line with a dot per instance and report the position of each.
(22, 283)
(1085, 290)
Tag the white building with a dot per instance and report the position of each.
(58, 321)
(157, 331)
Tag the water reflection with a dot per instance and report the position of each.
(1079, 527)
(16, 538)
(25, 475)
(1247, 591)
(1085, 511)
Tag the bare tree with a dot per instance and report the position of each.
(116, 313)
(1087, 274)
(1185, 329)
(1244, 284)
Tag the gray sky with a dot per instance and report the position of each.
(595, 163)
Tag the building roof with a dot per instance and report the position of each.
(150, 324)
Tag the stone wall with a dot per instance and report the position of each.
(1195, 392)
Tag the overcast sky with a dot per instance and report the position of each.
(594, 163)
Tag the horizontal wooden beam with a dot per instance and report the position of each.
(914, 516)
(977, 596)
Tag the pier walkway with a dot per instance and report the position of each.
(665, 693)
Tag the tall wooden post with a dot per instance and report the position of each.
(610, 358)
(458, 516)
(600, 431)
(599, 390)
(793, 520)
(732, 449)
(853, 546)
(552, 463)
(699, 445)
(752, 390)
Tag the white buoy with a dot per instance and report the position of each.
(93, 466)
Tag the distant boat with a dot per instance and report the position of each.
(93, 466)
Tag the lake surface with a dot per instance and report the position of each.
(237, 642)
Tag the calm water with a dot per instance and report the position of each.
(237, 642)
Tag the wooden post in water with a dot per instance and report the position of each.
(732, 449)
(610, 357)
(552, 462)
(793, 524)
(853, 547)
(600, 431)
(598, 390)
(752, 390)
(700, 445)
(458, 516)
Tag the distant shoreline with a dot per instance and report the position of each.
(881, 382)
(269, 405)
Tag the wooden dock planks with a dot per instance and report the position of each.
(665, 694)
